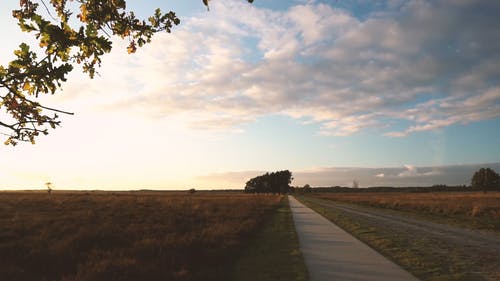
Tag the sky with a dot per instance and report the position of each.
(382, 92)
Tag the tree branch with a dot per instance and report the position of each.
(48, 11)
(53, 109)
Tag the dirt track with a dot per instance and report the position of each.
(473, 245)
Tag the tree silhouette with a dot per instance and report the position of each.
(49, 188)
(485, 179)
(275, 182)
(66, 36)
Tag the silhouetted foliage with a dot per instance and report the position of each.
(485, 179)
(49, 188)
(412, 189)
(68, 34)
(275, 182)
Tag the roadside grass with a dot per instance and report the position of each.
(425, 257)
(273, 254)
(474, 210)
(126, 236)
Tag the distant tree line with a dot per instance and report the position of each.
(485, 179)
(275, 182)
(416, 189)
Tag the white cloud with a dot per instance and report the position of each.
(411, 171)
(421, 63)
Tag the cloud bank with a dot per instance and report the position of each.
(413, 67)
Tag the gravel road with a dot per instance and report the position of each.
(472, 244)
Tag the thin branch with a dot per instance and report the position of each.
(48, 11)
(33, 124)
(103, 30)
(53, 109)
(34, 102)
(20, 130)
(7, 125)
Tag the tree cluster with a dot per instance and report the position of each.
(485, 179)
(275, 182)
(305, 189)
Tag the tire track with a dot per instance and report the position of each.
(449, 234)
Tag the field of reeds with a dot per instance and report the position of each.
(96, 236)
(480, 206)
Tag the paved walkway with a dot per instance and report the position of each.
(331, 254)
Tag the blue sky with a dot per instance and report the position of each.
(377, 87)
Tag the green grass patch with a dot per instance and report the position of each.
(425, 257)
(274, 252)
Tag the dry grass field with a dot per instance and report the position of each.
(432, 247)
(475, 206)
(125, 236)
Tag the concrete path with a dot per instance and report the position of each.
(331, 254)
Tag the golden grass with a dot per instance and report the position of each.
(125, 236)
(470, 204)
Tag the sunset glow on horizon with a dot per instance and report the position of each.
(384, 92)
